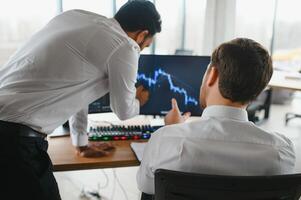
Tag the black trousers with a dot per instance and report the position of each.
(25, 167)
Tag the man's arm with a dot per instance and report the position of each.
(286, 155)
(79, 136)
(78, 128)
(145, 175)
(122, 71)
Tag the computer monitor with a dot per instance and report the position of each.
(172, 76)
(166, 77)
(101, 105)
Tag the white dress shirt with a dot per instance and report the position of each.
(75, 59)
(222, 142)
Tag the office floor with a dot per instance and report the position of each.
(120, 183)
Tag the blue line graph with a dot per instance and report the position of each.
(153, 81)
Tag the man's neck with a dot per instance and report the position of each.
(226, 102)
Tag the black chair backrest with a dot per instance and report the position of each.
(173, 185)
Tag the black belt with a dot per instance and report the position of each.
(20, 129)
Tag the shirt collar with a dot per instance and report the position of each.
(116, 23)
(226, 112)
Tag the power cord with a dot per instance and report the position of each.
(114, 189)
(90, 195)
(106, 183)
(84, 195)
(95, 194)
(116, 179)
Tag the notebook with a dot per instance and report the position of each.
(138, 148)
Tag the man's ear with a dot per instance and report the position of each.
(212, 76)
(141, 36)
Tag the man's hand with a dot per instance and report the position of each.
(95, 149)
(142, 95)
(174, 115)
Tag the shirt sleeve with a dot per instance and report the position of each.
(122, 72)
(78, 128)
(146, 173)
(287, 156)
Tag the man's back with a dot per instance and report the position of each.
(61, 69)
(222, 142)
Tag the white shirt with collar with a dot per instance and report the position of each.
(222, 142)
(75, 59)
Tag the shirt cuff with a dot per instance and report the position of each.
(137, 107)
(79, 140)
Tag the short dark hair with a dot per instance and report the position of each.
(138, 15)
(244, 67)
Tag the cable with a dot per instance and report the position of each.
(95, 194)
(85, 195)
(119, 183)
(114, 189)
(90, 195)
(106, 183)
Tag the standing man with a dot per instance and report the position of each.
(75, 59)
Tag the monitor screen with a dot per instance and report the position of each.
(168, 77)
(101, 105)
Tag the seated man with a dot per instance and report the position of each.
(222, 141)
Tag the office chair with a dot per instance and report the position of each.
(262, 103)
(289, 116)
(174, 185)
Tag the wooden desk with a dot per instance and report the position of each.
(64, 158)
(288, 81)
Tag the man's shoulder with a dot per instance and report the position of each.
(176, 130)
(277, 139)
(213, 129)
(281, 140)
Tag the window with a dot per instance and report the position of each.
(195, 22)
(170, 37)
(19, 20)
(119, 3)
(287, 42)
(254, 19)
(103, 7)
(182, 26)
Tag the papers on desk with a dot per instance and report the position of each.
(138, 148)
(296, 77)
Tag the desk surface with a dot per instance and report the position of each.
(64, 158)
(285, 80)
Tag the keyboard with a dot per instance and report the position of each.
(117, 132)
